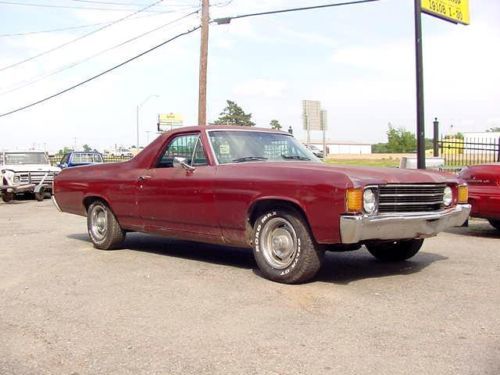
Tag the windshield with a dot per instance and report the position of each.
(20, 158)
(235, 146)
(81, 158)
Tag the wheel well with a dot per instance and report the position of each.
(89, 200)
(260, 207)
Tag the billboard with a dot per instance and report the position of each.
(456, 11)
(311, 112)
(167, 121)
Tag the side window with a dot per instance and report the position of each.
(185, 146)
(65, 159)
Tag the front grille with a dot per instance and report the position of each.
(35, 177)
(410, 198)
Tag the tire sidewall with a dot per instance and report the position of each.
(100, 244)
(286, 274)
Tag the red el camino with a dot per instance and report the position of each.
(484, 185)
(261, 189)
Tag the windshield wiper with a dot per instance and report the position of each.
(249, 158)
(294, 157)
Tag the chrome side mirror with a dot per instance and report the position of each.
(180, 162)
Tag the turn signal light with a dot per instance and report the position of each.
(354, 200)
(463, 194)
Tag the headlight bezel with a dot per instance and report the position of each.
(370, 200)
(448, 196)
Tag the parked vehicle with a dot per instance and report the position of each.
(122, 152)
(484, 191)
(315, 150)
(25, 172)
(79, 158)
(263, 189)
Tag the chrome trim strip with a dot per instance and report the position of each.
(55, 203)
(410, 203)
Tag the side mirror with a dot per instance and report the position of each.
(180, 162)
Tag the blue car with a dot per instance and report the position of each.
(79, 158)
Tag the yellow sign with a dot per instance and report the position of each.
(170, 117)
(456, 11)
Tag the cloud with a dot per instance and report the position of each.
(261, 87)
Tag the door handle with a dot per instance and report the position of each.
(144, 178)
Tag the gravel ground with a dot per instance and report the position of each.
(167, 307)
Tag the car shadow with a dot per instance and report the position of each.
(344, 268)
(338, 268)
(223, 255)
(477, 228)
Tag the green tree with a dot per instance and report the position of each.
(275, 124)
(87, 148)
(233, 114)
(400, 140)
(65, 150)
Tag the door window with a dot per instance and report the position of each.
(186, 146)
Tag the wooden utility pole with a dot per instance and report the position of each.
(202, 97)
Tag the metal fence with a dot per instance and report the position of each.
(469, 151)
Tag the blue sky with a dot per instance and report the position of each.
(357, 60)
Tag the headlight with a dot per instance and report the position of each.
(369, 201)
(447, 196)
(17, 179)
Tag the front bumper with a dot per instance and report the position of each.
(17, 189)
(358, 228)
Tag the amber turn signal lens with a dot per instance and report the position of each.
(463, 194)
(354, 200)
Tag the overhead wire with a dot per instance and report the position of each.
(72, 65)
(102, 73)
(78, 38)
(56, 6)
(55, 30)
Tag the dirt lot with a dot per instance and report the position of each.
(165, 307)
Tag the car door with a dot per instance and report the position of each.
(179, 201)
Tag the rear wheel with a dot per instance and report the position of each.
(495, 223)
(284, 249)
(103, 228)
(395, 251)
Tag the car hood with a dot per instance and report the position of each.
(31, 168)
(359, 176)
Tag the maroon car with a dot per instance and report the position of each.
(484, 191)
(262, 189)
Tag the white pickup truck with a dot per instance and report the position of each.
(25, 172)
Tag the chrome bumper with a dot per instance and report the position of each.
(357, 228)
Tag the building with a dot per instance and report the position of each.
(344, 147)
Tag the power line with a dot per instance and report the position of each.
(100, 74)
(72, 65)
(225, 20)
(78, 38)
(38, 5)
(55, 30)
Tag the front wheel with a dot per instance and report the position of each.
(284, 249)
(103, 228)
(495, 223)
(395, 251)
(7, 197)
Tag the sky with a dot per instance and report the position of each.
(358, 60)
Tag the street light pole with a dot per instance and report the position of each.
(138, 108)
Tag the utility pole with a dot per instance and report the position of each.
(202, 97)
(420, 87)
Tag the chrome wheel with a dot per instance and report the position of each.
(279, 243)
(99, 223)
